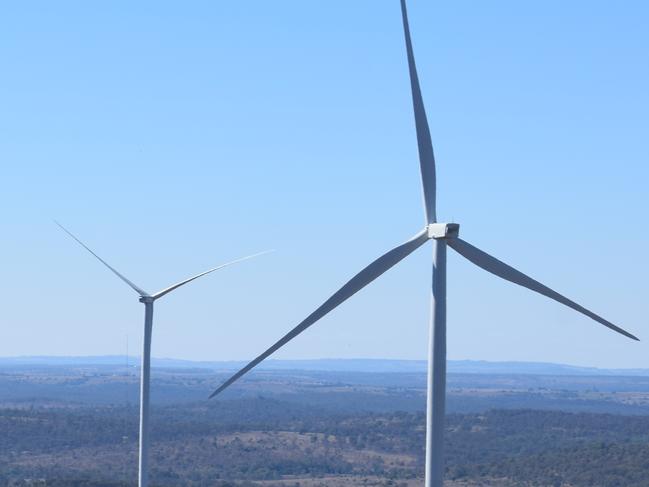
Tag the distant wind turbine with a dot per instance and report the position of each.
(148, 300)
(441, 234)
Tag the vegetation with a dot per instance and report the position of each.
(239, 442)
(66, 427)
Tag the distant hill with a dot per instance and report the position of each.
(334, 365)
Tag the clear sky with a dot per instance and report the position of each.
(173, 136)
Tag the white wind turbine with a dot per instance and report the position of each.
(148, 300)
(441, 234)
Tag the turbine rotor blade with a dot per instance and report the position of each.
(424, 143)
(137, 289)
(182, 283)
(500, 269)
(355, 284)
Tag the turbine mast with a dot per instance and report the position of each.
(145, 387)
(436, 383)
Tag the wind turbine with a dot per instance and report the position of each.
(148, 300)
(441, 234)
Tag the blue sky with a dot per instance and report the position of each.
(174, 136)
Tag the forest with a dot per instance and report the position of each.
(333, 430)
(268, 440)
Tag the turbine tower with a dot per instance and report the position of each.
(441, 235)
(145, 378)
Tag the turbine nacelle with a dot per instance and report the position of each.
(443, 230)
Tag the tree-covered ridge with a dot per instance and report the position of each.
(244, 441)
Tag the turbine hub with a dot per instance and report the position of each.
(146, 299)
(443, 230)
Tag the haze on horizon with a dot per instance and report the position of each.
(173, 138)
